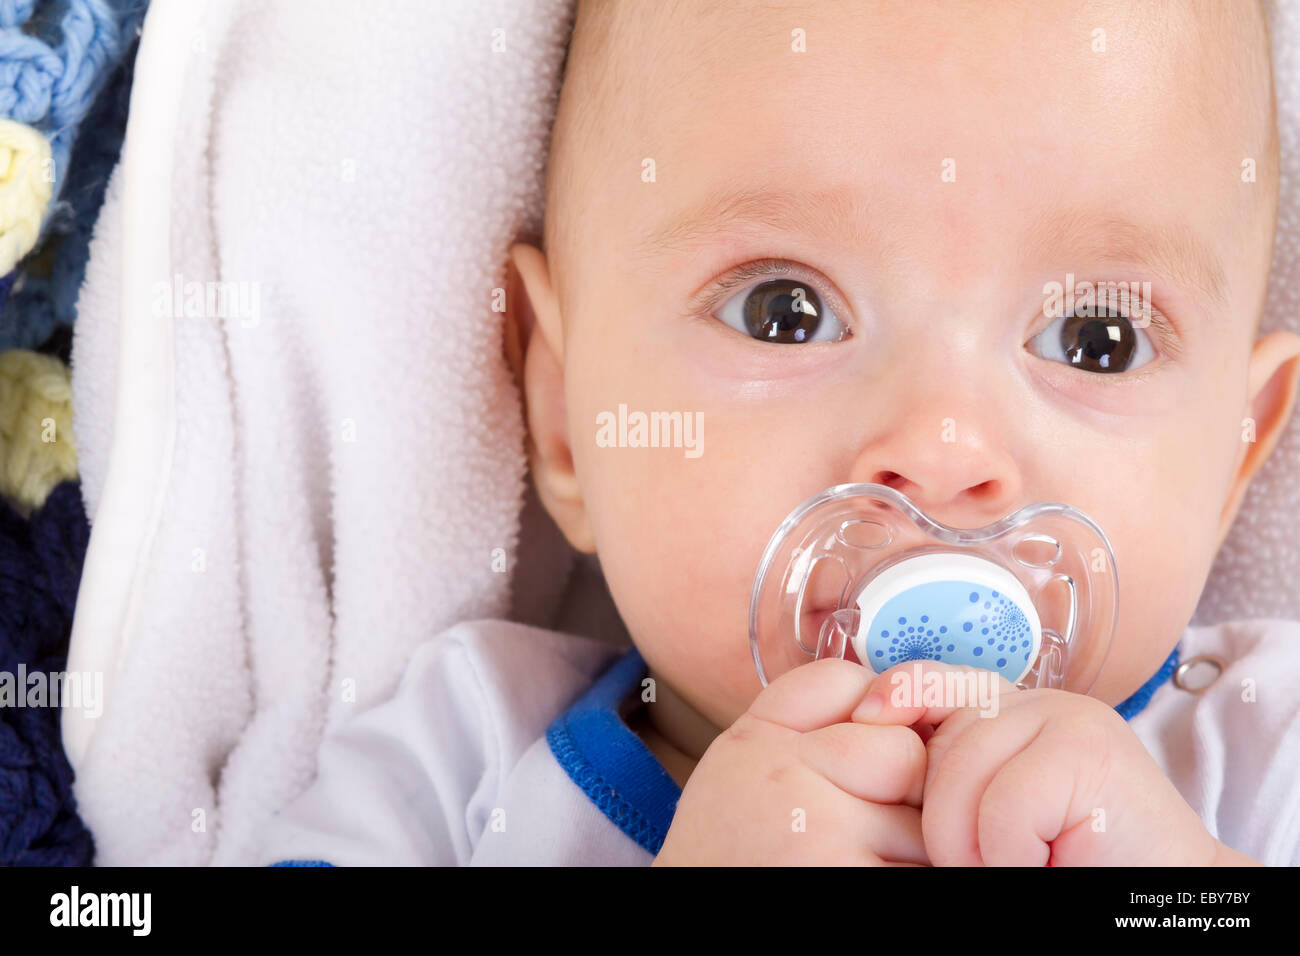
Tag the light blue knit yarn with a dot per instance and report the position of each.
(55, 57)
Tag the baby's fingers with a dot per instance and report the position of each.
(896, 835)
(991, 797)
(928, 692)
(877, 764)
(813, 695)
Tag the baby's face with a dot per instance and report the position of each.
(923, 172)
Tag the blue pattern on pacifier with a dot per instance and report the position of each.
(955, 622)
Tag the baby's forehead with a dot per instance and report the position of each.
(1167, 86)
(1215, 46)
(635, 56)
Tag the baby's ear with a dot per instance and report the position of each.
(519, 314)
(535, 349)
(1274, 370)
(517, 324)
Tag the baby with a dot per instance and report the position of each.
(921, 174)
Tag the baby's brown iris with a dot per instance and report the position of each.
(1098, 343)
(782, 311)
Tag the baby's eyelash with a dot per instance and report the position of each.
(1166, 336)
(713, 295)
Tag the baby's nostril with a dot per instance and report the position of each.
(890, 479)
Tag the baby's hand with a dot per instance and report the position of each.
(795, 782)
(1053, 779)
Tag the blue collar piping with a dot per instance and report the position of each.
(1142, 696)
(609, 763)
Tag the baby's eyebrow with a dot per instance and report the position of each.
(1087, 236)
(844, 211)
(1167, 249)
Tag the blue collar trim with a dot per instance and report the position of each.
(609, 763)
(617, 772)
(1142, 696)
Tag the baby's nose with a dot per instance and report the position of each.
(955, 467)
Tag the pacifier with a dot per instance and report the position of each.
(858, 571)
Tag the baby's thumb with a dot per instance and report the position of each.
(813, 695)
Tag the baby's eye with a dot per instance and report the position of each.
(1107, 342)
(783, 311)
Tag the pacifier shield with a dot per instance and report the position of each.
(859, 569)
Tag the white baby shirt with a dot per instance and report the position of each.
(507, 745)
(1233, 751)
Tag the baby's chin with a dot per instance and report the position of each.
(1117, 684)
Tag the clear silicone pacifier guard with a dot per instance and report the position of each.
(859, 571)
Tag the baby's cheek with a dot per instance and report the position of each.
(687, 584)
(680, 538)
(1162, 563)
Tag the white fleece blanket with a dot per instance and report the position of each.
(286, 501)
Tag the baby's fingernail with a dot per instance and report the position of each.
(870, 707)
